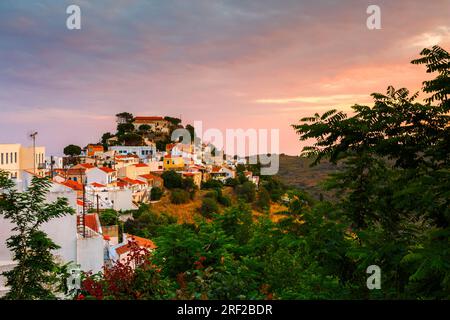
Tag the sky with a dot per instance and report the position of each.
(228, 63)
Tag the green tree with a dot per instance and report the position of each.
(72, 150)
(246, 191)
(35, 273)
(156, 193)
(125, 117)
(209, 207)
(263, 199)
(172, 179)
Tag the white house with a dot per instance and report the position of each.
(101, 175)
(143, 152)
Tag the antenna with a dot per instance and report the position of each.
(33, 135)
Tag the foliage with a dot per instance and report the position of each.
(109, 217)
(179, 196)
(246, 191)
(172, 179)
(209, 207)
(156, 193)
(263, 199)
(72, 150)
(35, 274)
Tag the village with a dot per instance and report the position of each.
(120, 174)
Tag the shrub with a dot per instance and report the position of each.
(212, 184)
(156, 193)
(179, 196)
(263, 201)
(246, 191)
(172, 180)
(209, 206)
(213, 194)
(108, 217)
(224, 200)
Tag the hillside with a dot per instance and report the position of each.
(296, 171)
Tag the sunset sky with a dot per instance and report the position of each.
(230, 63)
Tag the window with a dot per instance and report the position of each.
(6, 158)
(1, 161)
(15, 158)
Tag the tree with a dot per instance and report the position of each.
(246, 191)
(131, 139)
(174, 121)
(209, 207)
(156, 193)
(172, 179)
(72, 150)
(396, 166)
(144, 128)
(124, 117)
(263, 199)
(124, 128)
(36, 270)
(109, 217)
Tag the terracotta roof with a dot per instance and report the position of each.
(141, 242)
(86, 165)
(150, 176)
(107, 169)
(140, 165)
(97, 185)
(139, 119)
(73, 185)
(131, 181)
(90, 221)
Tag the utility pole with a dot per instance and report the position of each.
(98, 205)
(84, 203)
(33, 136)
(52, 162)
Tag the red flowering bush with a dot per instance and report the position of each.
(135, 277)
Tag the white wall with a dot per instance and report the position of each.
(90, 253)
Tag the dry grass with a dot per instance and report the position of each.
(185, 213)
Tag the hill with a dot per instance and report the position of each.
(297, 172)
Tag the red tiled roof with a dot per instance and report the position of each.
(106, 169)
(73, 185)
(138, 119)
(150, 176)
(97, 185)
(90, 221)
(86, 165)
(140, 165)
(131, 181)
(141, 242)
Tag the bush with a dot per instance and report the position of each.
(263, 201)
(108, 217)
(246, 191)
(213, 194)
(212, 184)
(172, 180)
(179, 196)
(156, 193)
(224, 200)
(231, 182)
(209, 206)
